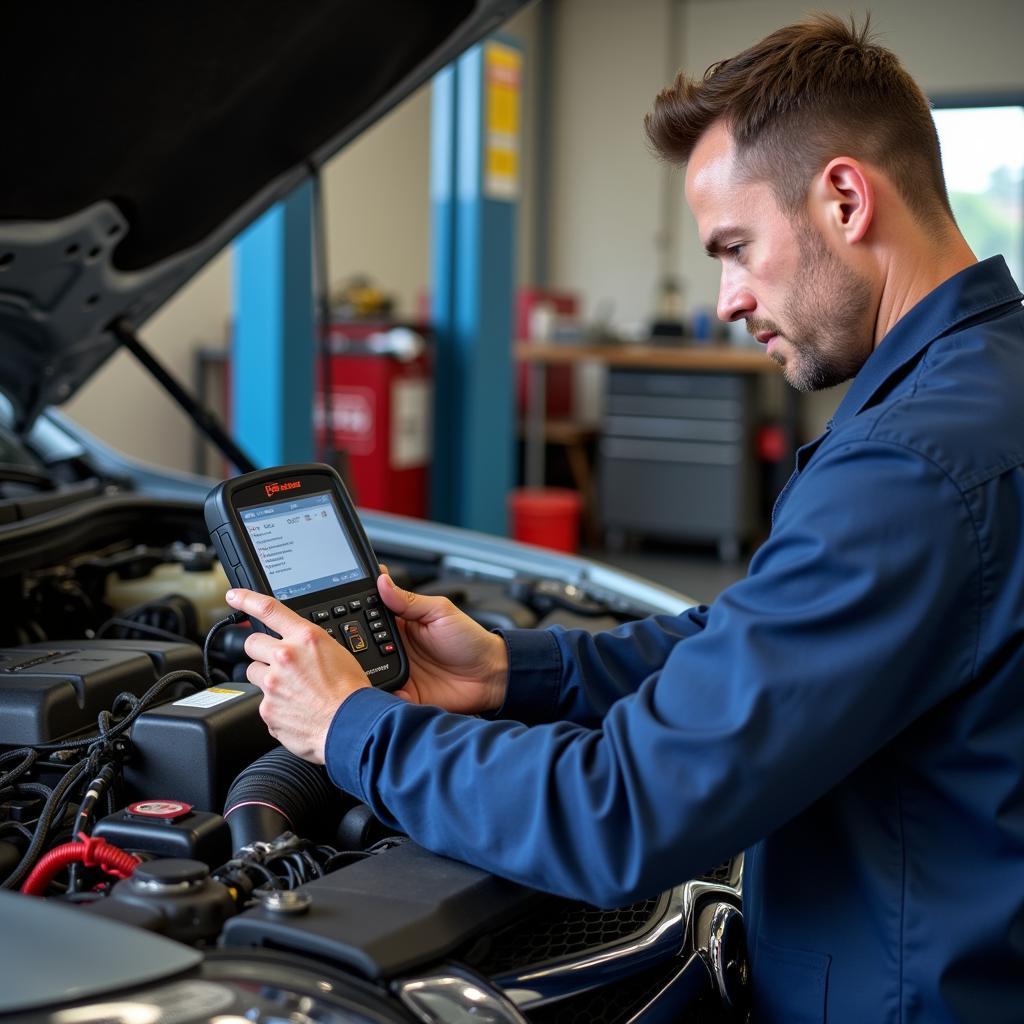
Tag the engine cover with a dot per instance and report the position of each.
(53, 690)
(191, 749)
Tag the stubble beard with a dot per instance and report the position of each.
(828, 306)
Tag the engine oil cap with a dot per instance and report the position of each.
(162, 810)
(283, 901)
(173, 875)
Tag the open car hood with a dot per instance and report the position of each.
(144, 137)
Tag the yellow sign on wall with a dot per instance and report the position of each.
(503, 76)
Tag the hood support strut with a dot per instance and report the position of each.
(201, 417)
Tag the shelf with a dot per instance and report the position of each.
(699, 358)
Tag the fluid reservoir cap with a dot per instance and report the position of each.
(172, 875)
(283, 901)
(165, 810)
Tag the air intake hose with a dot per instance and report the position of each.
(278, 793)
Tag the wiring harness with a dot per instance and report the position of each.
(104, 752)
(287, 862)
(99, 758)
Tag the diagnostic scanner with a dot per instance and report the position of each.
(293, 532)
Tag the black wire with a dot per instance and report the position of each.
(232, 620)
(9, 778)
(135, 618)
(313, 868)
(272, 880)
(10, 755)
(42, 831)
(95, 792)
(302, 868)
(387, 843)
(35, 787)
(144, 702)
(17, 826)
(345, 857)
(175, 612)
(140, 627)
(55, 807)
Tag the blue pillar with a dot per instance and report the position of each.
(273, 337)
(474, 188)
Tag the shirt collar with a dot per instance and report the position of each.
(975, 290)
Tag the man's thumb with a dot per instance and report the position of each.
(400, 601)
(411, 607)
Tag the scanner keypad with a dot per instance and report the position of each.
(359, 624)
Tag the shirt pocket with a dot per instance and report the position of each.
(789, 985)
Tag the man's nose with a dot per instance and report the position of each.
(735, 302)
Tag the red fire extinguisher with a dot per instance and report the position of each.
(381, 392)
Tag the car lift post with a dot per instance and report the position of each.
(273, 336)
(474, 186)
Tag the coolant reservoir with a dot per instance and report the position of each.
(204, 587)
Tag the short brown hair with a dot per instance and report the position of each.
(804, 94)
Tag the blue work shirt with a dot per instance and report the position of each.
(852, 711)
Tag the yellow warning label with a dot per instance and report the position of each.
(503, 73)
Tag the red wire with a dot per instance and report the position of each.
(91, 851)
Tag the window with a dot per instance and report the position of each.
(983, 159)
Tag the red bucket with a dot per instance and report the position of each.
(546, 516)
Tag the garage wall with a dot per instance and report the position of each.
(614, 227)
(606, 229)
(378, 213)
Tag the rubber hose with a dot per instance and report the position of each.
(280, 792)
(89, 851)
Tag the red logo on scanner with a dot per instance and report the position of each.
(275, 488)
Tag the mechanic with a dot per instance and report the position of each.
(852, 711)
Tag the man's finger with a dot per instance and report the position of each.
(265, 608)
(256, 672)
(260, 647)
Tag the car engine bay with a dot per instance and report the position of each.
(139, 786)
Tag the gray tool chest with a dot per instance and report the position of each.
(675, 458)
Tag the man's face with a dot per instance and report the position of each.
(812, 311)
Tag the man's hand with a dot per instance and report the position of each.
(305, 676)
(454, 663)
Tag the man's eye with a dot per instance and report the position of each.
(735, 251)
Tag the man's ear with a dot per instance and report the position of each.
(846, 198)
